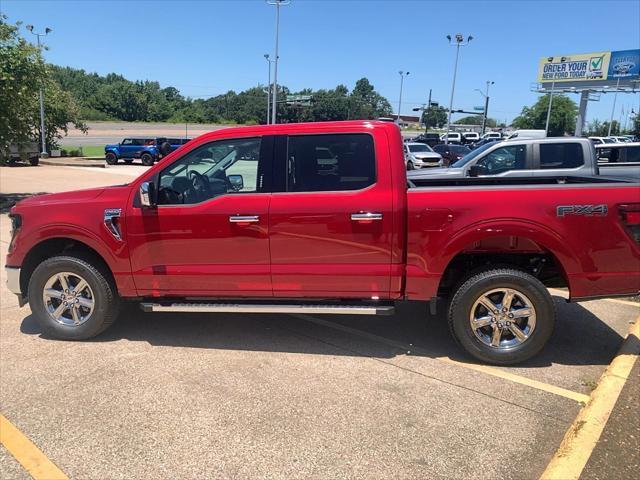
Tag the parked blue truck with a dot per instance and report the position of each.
(148, 150)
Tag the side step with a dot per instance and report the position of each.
(273, 308)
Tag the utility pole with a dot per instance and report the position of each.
(486, 104)
(44, 153)
(546, 127)
(459, 41)
(613, 109)
(402, 75)
(274, 95)
(426, 118)
(266, 55)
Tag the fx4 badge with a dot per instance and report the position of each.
(588, 210)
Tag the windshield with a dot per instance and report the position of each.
(419, 148)
(471, 155)
(608, 140)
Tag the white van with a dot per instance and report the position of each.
(527, 134)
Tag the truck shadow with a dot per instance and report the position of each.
(580, 337)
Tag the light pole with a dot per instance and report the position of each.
(613, 109)
(486, 104)
(274, 96)
(42, 131)
(402, 75)
(459, 42)
(266, 56)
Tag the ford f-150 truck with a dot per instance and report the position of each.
(531, 157)
(319, 218)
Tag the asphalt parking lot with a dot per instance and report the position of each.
(290, 396)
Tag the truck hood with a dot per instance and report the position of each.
(434, 173)
(78, 196)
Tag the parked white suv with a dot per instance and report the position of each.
(453, 137)
(470, 137)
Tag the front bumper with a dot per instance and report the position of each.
(13, 280)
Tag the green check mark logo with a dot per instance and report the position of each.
(596, 63)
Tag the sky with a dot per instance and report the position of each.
(205, 48)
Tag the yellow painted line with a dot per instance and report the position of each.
(496, 372)
(583, 435)
(30, 457)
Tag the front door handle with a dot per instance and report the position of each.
(244, 218)
(365, 216)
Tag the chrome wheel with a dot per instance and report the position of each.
(68, 299)
(503, 318)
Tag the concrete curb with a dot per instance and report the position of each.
(71, 163)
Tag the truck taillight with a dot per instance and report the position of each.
(630, 216)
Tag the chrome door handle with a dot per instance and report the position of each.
(365, 216)
(244, 219)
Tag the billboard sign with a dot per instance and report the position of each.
(594, 68)
(624, 64)
(574, 68)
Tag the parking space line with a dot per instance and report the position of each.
(583, 435)
(27, 454)
(496, 372)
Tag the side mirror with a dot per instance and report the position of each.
(236, 181)
(147, 194)
(476, 170)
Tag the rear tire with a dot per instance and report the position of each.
(147, 159)
(72, 299)
(111, 158)
(516, 322)
(34, 161)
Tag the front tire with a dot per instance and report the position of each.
(72, 299)
(147, 159)
(502, 316)
(111, 158)
(410, 165)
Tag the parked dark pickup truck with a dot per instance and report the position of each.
(318, 218)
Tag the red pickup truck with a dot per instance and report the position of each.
(320, 218)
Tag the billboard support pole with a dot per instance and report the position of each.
(582, 112)
(613, 109)
(546, 128)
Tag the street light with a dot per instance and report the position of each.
(42, 131)
(486, 104)
(266, 56)
(274, 97)
(402, 75)
(458, 42)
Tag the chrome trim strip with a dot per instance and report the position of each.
(13, 279)
(246, 308)
(244, 218)
(366, 216)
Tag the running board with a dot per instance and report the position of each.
(273, 308)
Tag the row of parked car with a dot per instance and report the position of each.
(148, 150)
(521, 154)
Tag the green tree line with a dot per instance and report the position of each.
(113, 97)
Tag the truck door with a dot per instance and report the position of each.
(208, 234)
(331, 226)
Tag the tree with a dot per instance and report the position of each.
(563, 115)
(476, 120)
(596, 128)
(366, 103)
(635, 129)
(435, 117)
(22, 73)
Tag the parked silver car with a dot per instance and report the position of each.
(419, 155)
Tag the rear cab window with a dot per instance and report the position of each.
(561, 155)
(330, 162)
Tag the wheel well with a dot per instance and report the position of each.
(542, 265)
(60, 246)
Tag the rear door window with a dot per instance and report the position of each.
(561, 155)
(317, 163)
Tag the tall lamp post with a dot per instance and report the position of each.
(458, 42)
(266, 56)
(274, 95)
(486, 104)
(402, 75)
(44, 153)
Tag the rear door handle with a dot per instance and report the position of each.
(244, 218)
(365, 216)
